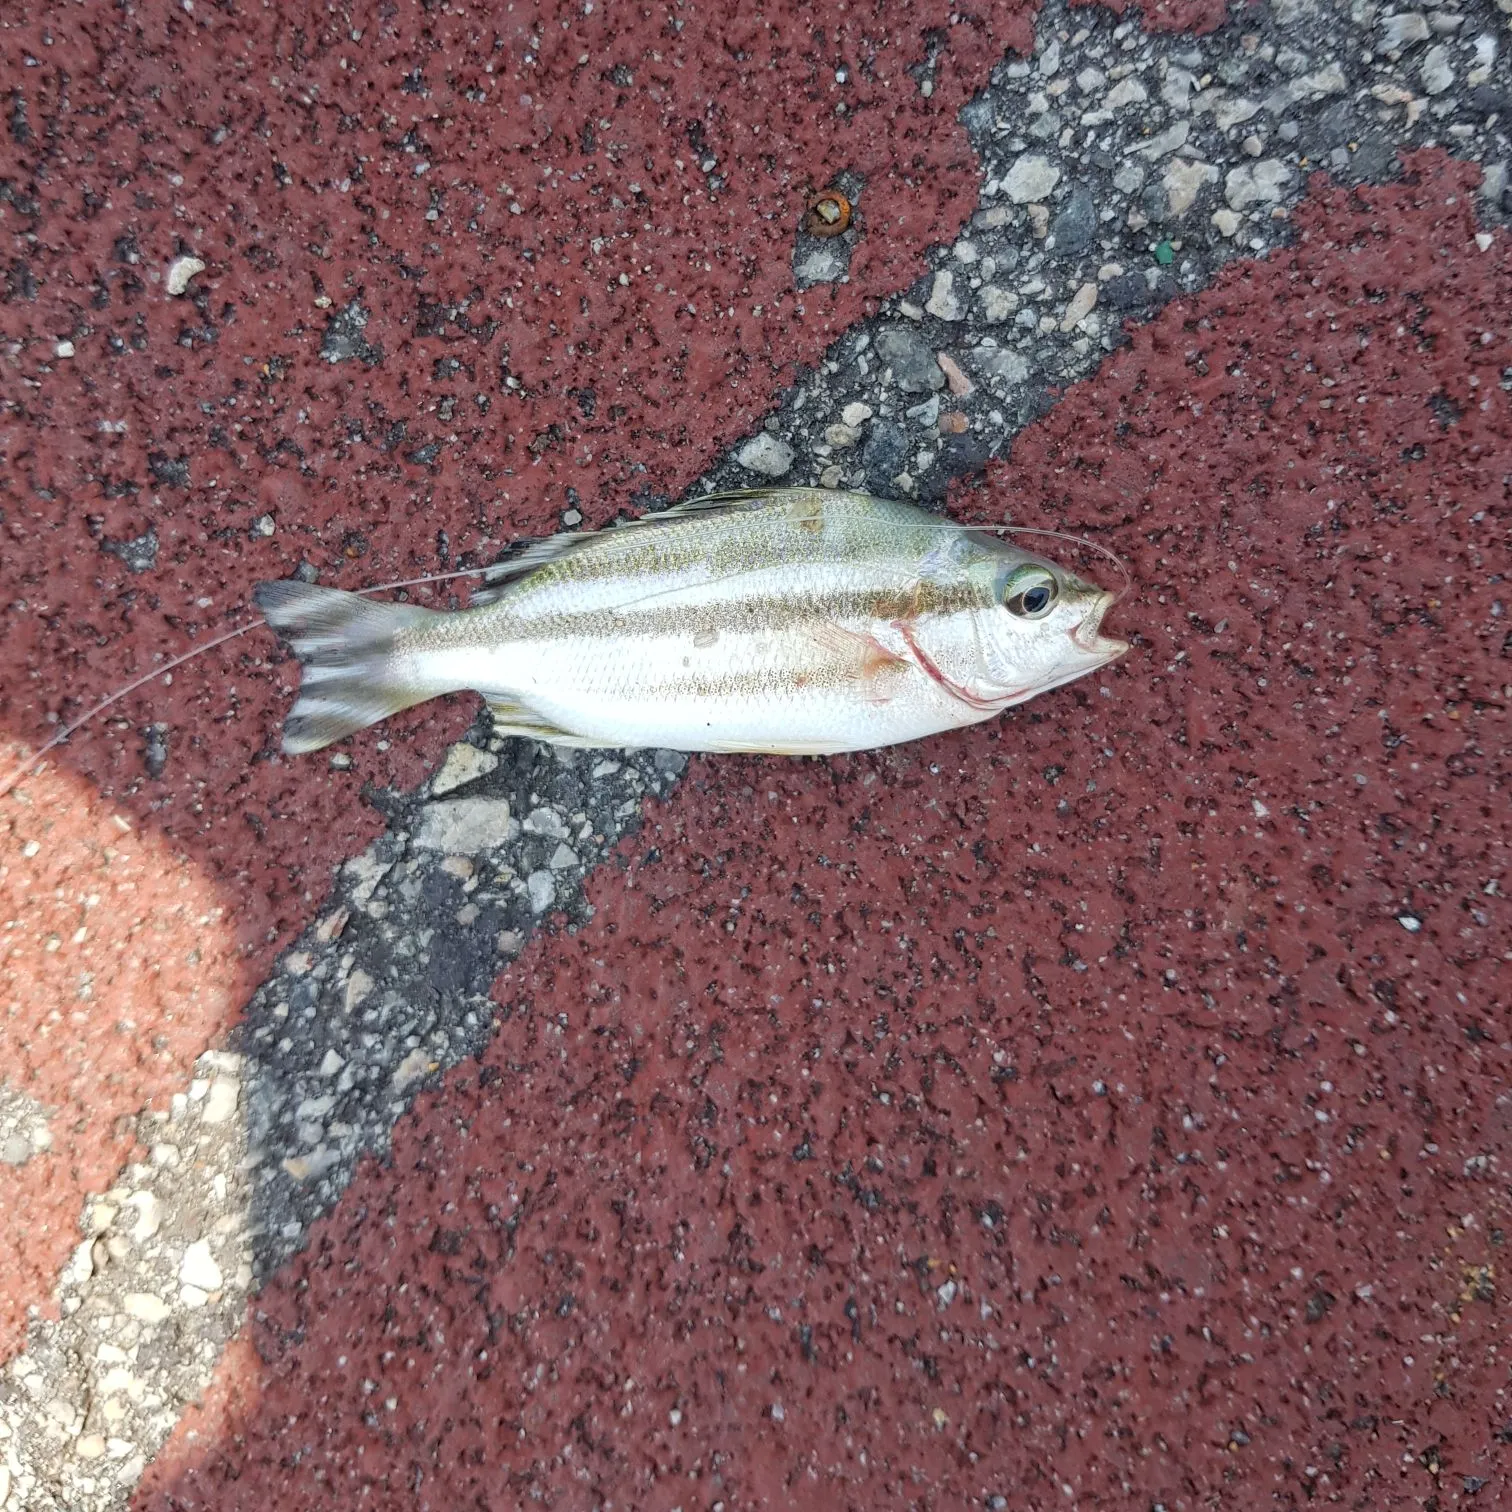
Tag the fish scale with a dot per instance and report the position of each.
(790, 621)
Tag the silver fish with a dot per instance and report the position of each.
(789, 621)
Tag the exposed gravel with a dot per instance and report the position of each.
(1119, 170)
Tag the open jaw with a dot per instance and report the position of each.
(1088, 638)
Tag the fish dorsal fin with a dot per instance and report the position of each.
(530, 554)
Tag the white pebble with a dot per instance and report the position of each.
(180, 272)
(221, 1102)
(765, 454)
(199, 1267)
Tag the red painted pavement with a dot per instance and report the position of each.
(1060, 1110)
(576, 250)
(1196, 16)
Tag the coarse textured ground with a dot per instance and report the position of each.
(1105, 1103)
(432, 318)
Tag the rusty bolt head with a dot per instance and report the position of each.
(828, 214)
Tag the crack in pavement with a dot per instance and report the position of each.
(1120, 170)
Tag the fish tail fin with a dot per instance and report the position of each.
(352, 672)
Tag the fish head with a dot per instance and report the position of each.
(1042, 627)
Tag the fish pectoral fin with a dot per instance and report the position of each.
(513, 718)
(865, 662)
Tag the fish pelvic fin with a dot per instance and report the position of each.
(352, 673)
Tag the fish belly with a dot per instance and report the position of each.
(786, 692)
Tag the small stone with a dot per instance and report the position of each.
(856, 413)
(942, 302)
(180, 273)
(1401, 30)
(1126, 92)
(193, 1296)
(954, 423)
(221, 1103)
(1184, 179)
(885, 448)
(960, 384)
(464, 763)
(16, 1150)
(766, 454)
(1081, 306)
(1177, 89)
(64, 349)
(1039, 220)
(90, 1446)
(821, 262)
(1031, 178)
(911, 359)
(80, 1266)
(1230, 111)
(1253, 146)
(331, 1062)
(364, 873)
(998, 304)
(1483, 240)
(412, 1068)
(927, 413)
(1256, 184)
(145, 1307)
(1166, 143)
(562, 857)
(199, 1267)
(841, 436)
(358, 986)
(994, 362)
(1314, 86)
(149, 1216)
(545, 821)
(1075, 223)
(1227, 221)
(541, 888)
(465, 826)
(331, 926)
(1436, 73)
(313, 1166)
(965, 252)
(1129, 179)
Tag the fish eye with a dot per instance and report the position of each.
(1030, 593)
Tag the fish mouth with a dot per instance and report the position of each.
(1088, 636)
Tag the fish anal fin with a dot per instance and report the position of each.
(513, 718)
